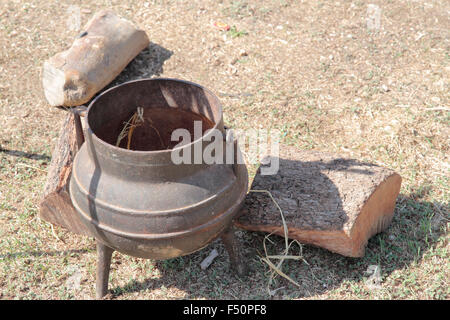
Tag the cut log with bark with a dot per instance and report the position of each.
(102, 50)
(56, 206)
(327, 200)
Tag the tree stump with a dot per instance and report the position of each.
(327, 200)
(56, 206)
(104, 48)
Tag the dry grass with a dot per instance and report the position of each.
(308, 68)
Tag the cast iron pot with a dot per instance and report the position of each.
(139, 202)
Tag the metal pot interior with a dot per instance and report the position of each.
(167, 105)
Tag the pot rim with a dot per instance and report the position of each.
(208, 133)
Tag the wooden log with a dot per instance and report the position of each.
(56, 206)
(327, 200)
(105, 47)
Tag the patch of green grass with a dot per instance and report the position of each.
(235, 33)
(292, 91)
(173, 264)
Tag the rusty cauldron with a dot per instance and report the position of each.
(139, 202)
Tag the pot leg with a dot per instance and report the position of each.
(232, 246)
(104, 254)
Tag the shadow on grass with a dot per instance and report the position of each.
(416, 228)
(149, 62)
(23, 154)
(39, 253)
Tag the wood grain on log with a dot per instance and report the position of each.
(56, 206)
(327, 200)
(104, 48)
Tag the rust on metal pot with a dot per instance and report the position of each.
(138, 201)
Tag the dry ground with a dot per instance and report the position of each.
(310, 69)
